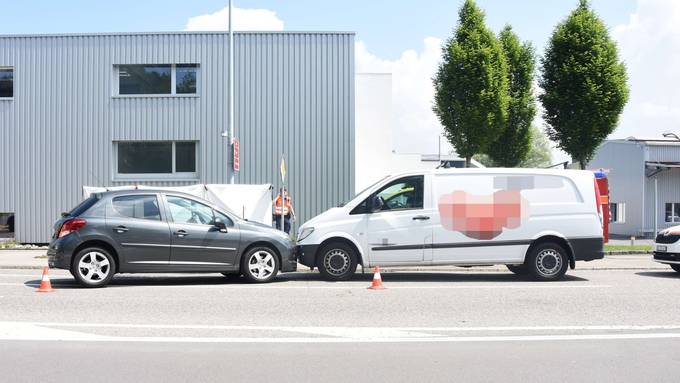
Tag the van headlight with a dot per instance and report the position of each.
(304, 233)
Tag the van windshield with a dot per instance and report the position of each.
(362, 192)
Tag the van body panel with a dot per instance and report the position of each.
(467, 217)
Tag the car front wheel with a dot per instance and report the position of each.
(547, 262)
(93, 267)
(337, 261)
(260, 264)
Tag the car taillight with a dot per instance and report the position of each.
(598, 201)
(71, 226)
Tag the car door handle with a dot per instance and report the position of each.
(181, 233)
(421, 218)
(121, 229)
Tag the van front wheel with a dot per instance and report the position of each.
(336, 261)
(547, 262)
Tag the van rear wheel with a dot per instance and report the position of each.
(337, 261)
(547, 262)
(676, 268)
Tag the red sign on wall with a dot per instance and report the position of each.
(235, 149)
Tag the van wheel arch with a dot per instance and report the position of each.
(558, 240)
(98, 243)
(360, 258)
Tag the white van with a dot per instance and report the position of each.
(535, 221)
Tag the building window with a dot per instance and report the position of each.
(159, 159)
(617, 212)
(6, 82)
(157, 79)
(672, 212)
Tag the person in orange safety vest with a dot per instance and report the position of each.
(283, 209)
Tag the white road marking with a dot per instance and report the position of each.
(33, 332)
(508, 286)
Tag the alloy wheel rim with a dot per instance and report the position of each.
(261, 264)
(94, 267)
(336, 262)
(549, 262)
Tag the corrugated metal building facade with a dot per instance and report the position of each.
(294, 95)
(644, 175)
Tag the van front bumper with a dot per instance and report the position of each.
(667, 258)
(306, 254)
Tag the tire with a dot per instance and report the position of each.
(93, 267)
(336, 261)
(547, 262)
(260, 265)
(518, 269)
(676, 268)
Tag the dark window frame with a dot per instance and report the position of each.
(172, 174)
(12, 82)
(173, 87)
(675, 207)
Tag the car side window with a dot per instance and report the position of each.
(184, 210)
(401, 194)
(227, 221)
(137, 206)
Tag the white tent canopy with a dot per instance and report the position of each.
(252, 202)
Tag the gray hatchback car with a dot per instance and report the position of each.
(158, 231)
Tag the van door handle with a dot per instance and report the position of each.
(121, 229)
(181, 233)
(421, 218)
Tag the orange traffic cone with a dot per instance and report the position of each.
(377, 280)
(45, 284)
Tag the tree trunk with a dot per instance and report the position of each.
(582, 164)
(467, 161)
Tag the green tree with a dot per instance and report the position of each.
(471, 86)
(512, 146)
(539, 155)
(584, 84)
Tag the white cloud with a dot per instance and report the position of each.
(415, 126)
(649, 44)
(244, 20)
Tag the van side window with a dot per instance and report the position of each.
(402, 194)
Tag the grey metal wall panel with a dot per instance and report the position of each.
(625, 161)
(294, 94)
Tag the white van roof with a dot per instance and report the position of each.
(557, 172)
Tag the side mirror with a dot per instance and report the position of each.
(376, 204)
(218, 223)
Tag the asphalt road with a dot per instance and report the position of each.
(605, 325)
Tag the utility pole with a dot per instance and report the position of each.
(231, 96)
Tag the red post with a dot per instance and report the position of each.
(603, 185)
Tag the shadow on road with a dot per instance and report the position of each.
(130, 280)
(670, 274)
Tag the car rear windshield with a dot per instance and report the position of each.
(83, 206)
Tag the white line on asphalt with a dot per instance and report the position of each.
(31, 332)
(343, 287)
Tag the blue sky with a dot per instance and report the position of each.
(387, 27)
(404, 39)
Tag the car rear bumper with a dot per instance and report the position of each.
(61, 250)
(587, 249)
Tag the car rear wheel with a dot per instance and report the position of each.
(93, 267)
(518, 269)
(676, 268)
(337, 261)
(547, 262)
(260, 264)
